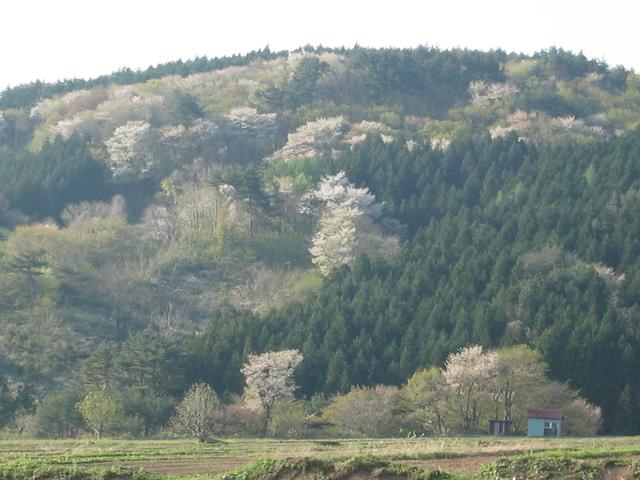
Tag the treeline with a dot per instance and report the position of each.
(424, 79)
(23, 96)
(439, 78)
(135, 392)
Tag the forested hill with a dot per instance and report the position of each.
(375, 209)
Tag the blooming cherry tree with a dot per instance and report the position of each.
(129, 149)
(312, 139)
(269, 378)
(334, 243)
(346, 223)
(468, 372)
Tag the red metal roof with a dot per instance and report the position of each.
(545, 414)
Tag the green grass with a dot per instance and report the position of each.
(38, 470)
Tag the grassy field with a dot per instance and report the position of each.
(473, 457)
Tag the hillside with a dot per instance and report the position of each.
(375, 209)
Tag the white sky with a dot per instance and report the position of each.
(56, 39)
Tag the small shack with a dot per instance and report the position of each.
(500, 427)
(545, 423)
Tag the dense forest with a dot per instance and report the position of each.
(377, 210)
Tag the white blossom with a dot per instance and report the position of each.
(173, 132)
(128, 149)
(539, 125)
(440, 143)
(334, 243)
(608, 274)
(469, 368)
(358, 132)
(247, 118)
(161, 223)
(312, 139)
(248, 125)
(126, 106)
(483, 94)
(269, 378)
(69, 103)
(499, 131)
(203, 127)
(411, 144)
(198, 412)
(67, 126)
(468, 373)
(336, 190)
(346, 223)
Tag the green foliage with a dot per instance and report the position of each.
(369, 467)
(102, 411)
(297, 90)
(57, 416)
(305, 172)
(421, 80)
(448, 129)
(62, 172)
(182, 107)
(365, 412)
(35, 470)
(589, 175)
(288, 419)
(535, 468)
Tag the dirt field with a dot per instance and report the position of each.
(186, 458)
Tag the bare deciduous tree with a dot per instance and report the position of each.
(80, 213)
(198, 412)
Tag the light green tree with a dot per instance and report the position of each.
(102, 411)
(365, 411)
(519, 371)
(288, 419)
(425, 398)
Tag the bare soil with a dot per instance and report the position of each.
(454, 465)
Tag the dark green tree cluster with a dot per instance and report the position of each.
(298, 90)
(423, 79)
(511, 245)
(143, 376)
(40, 184)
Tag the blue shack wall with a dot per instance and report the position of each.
(535, 427)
